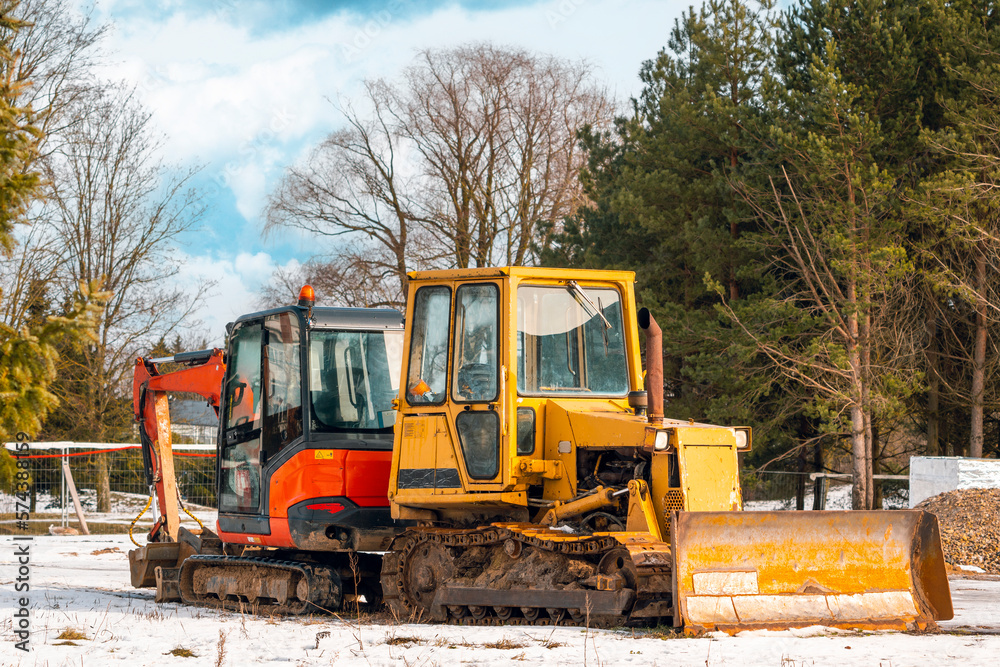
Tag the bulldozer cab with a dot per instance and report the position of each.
(491, 355)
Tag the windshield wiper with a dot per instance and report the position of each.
(585, 301)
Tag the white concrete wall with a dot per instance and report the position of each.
(931, 475)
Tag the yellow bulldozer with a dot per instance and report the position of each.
(542, 483)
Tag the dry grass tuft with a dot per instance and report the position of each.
(220, 656)
(72, 634)
(182, 653)
(504, 645)
(403, 641)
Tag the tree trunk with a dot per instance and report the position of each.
(876, 454)
(934, 445)
(800, 484)
(734, 230)
(818, 466)
(859, 494)
(103, 484)
(866, 380)
(869, 482)
(978, 361)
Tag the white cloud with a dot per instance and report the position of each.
(236, 280)
(244, 102)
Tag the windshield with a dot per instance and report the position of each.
(564, 343)
(354, 375)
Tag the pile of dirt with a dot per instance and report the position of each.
(970, 526)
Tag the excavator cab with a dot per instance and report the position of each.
(306, 427)
(534, 454)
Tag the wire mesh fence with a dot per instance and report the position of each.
(109, 480)
(779, 490)
(112, 489)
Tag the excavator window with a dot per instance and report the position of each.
(240, 460)
(282, 384)
(354, 377)
(570, 341)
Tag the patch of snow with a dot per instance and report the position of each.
(972, 568)
(82, 582)
(838, 497)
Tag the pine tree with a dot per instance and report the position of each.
(28, 354)
(958, 210)
(664, 207)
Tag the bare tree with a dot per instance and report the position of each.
(58, 49)
(116, 212)
(352, 186)
(458, 165)
(352, 279)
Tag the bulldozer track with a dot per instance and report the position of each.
(259, 585)
(411, 589)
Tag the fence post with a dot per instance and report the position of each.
(63, 507)
(819, 493)
(68, 476)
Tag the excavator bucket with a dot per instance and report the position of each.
(776, 570)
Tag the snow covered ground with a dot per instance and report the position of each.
(838, 497)
(81, 584)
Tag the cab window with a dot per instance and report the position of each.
(570, 341)
(240, 460)
(476, 340)
(427, 368)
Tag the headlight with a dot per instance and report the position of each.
(744, 441)
(661, 441)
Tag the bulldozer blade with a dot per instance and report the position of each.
(776, 570)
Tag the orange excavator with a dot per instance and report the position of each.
(304, 396)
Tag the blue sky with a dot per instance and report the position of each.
(243, 88)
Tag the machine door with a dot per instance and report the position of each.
(282, 379)
(239, 463)
(475, 378)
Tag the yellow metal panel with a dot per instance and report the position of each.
(641, 513)
(709, 468)
(418, 444)
(604, 424)
(659, 489)
(523, 273)
(558, 430)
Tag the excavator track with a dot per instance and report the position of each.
(259, 585)
(509, 574)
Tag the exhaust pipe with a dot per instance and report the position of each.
(654, 364)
